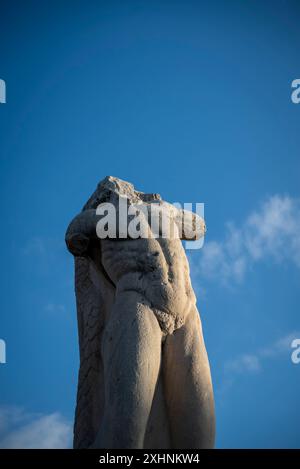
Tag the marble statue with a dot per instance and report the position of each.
(144, 378)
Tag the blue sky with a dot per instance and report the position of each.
(186, 98)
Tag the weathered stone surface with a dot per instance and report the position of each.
(144, 378)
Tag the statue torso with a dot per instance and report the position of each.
(157, 268)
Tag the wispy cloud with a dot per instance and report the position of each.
(281, 345)
(246, 362)
(20, 429)
(253, 362)
(272, 231)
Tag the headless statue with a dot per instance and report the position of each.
(144, 378)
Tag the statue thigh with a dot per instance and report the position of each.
(131, 351)
(187, 386)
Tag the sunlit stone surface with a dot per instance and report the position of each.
(144, 378)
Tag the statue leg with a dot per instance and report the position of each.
(188, 387)
(131, 351)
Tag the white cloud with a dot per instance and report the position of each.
(273, 231)
(254, 362)
(243, 363)
(282, 345)
(19, 429)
